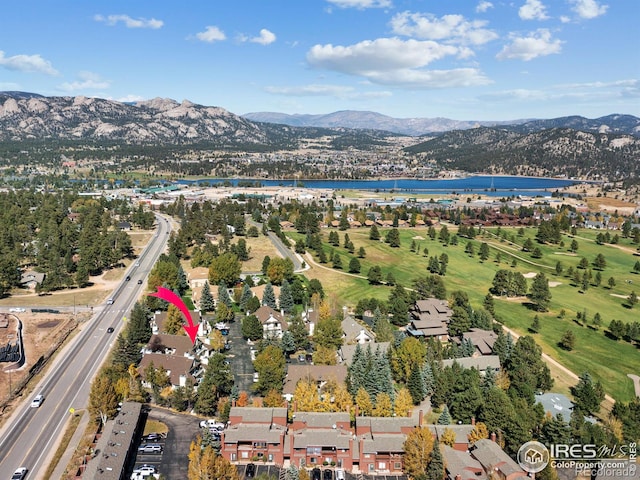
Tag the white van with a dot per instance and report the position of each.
(339, 474)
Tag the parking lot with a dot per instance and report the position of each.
(274, 471)
(149, 458)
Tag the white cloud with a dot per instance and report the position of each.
(319, 90)
(129, 22)
(391, 61)
(87, 81)
(211, 34)
(483, 6)
(533, 10)
(27, 63)
(265, 38)
(361, 4)
(537, 44)
(564, 19)
(451, 28)
(588, 8)
(130, 98)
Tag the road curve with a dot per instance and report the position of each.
(30, 437)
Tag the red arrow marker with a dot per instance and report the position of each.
(168, 296)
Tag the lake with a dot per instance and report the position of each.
(495, 186)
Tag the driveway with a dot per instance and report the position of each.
(240, 357)
(183, 429)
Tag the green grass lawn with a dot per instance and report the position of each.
(607, 360)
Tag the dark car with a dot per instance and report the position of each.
(152, 437)
(140, 282)
(128, 278)
(327, 475)
(316, 474)
(250, 472)
(110, 330)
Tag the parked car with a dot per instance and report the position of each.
(19, 474)
(150, 448)
(145, 470)
(316, 474)
(250, 471)
(212, 424)
(37, 401)
(256, 377)
(327, 474)
(152, 437)
(339, 474)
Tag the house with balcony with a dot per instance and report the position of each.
(381, 443)
(495, 461)
(273, 322)
(179, 368)
(321, 439)
(255, 434)
(430, 318)
(320, 374)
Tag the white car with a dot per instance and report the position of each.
(19, 474)
(145, 470)
(17, 310)
(212, 424)
(37, 401)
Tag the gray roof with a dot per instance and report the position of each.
(482, 339)
(461, 431)
(461, 463)
(384, 443)
(113, 459)
(321, 438)
(175, 365)
(352, 329)
(161, 341)
(253, 432)
(491, 456)
(322, 419)
(386, 424)
(556, 403)
(481, 363)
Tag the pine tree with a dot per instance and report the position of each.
(299, 332)
(445, 417)
(435, 470)
(286, 301)
(354, 265)
(428, 379)
(223, 295)
(245, 296)
(374, 234)
(139, 330)
(269, 296)
(207, 303)
(416, 385)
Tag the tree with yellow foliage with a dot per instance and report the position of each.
(404, 403)
(479, 432)
(384, 407)
(216, 339)
(448, 437)
(273, 399)
(173, 325)
(324, 356)
(417, 452)
(363, 401)
(342, 401)
(306, 396)
(206, 464)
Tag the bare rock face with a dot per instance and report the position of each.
(159, 120)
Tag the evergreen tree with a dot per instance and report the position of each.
(540, 294)
(288, 343)
(223, 295)
(252, 328)
(286, 298)
(416, 385)
(299, 332)
(337, 261)
(207, 303)
(535, 326)
(354, 265)
(265, 264)
(393, 238)
(374, 275)
(269, 296)
(139, 329)
(362, 252)
(374, 234)
(435, 470)
(245, 296)
(588, 395)
(428, 379)
(445, 417)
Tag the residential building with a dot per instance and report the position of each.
(320, 374)
(480, 363)
(430, 318)
(493, 459)
(273, 322)
(323, 438)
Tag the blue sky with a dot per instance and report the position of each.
(460, 59)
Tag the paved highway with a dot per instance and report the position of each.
(31, 435)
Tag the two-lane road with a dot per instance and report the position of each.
(32, 434)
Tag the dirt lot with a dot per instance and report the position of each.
(41, 331)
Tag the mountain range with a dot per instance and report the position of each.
(606, 147)
(626, 124)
